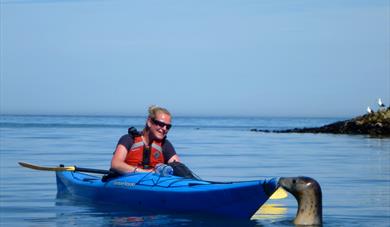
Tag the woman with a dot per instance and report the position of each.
(142, 152)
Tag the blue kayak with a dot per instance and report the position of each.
(172, 194)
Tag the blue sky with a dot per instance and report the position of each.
(218, 57)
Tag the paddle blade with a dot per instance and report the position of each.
(279, 194)
(32, 166)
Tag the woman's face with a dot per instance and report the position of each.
(159, 126)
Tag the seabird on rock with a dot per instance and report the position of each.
(380, 103)
(369, 110)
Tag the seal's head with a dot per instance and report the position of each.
(307, 192)
(298, 185)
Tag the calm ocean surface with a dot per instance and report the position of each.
(354, 171)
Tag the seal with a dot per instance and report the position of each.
(307, 192)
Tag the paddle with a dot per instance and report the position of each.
(64, 168)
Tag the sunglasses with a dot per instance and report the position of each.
(161, 124)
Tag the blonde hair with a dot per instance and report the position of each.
(154, 109)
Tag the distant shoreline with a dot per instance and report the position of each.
(375, 124)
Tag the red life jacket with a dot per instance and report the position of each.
(140, 156)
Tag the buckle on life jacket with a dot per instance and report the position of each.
(146, 158)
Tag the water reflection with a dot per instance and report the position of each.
(272, 212)
(77, 213)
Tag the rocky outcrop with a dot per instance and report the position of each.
(374, 124)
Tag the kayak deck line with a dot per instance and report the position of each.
(158, 180)
(154, 183)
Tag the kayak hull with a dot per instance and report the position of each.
(151, 192)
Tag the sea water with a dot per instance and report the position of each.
(353, 170)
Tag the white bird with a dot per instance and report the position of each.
(369, 110)
(380, 103)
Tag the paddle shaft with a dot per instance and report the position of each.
(63, 168)
(88, 170)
